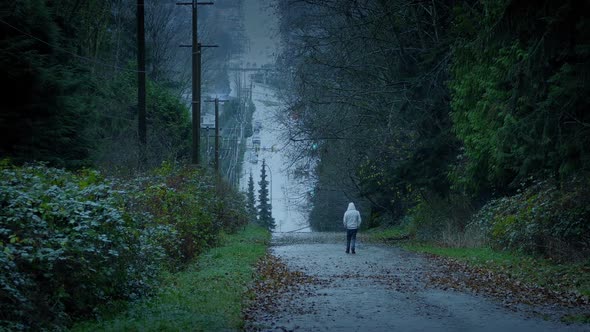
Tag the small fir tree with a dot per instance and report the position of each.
(264, 207)
(251, 201)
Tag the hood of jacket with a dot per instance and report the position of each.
(352, 217)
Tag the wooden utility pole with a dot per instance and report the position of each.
(216, 135)
(196, 86)
(196, 91)
(216, 101)
(141, 112)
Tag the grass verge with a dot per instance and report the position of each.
(207, 296)
(563, 277)
(542, 272)
(385, 235)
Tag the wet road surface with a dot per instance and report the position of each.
(380, 288)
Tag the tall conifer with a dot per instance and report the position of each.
(264, 206)
(251, 201)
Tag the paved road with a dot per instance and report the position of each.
(381, 289)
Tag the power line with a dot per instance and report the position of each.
(102, 63)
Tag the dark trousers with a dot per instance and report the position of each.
(350, 239)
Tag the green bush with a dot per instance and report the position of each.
(443, 220)
(71, 242)
(67, 245)
(229, 210)
(543, 219)
(190, 201)
(183, 199)
(428, 220)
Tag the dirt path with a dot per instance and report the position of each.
(378, 289)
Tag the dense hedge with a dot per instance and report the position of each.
(69, 242)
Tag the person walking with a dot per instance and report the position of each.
(352, 221)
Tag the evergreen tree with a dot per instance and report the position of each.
(44, 110)
(251, 201)
(264, 207)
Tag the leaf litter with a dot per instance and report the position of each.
(276, 287)
(457, 275)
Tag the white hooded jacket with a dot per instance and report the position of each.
(352, 218)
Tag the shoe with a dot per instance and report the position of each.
(347, 252)
(353, 252)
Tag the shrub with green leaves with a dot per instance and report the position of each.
(71, 242)
(442, 220)
(67, 245)
(191, 204)
(543, 219)
(183, 199)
